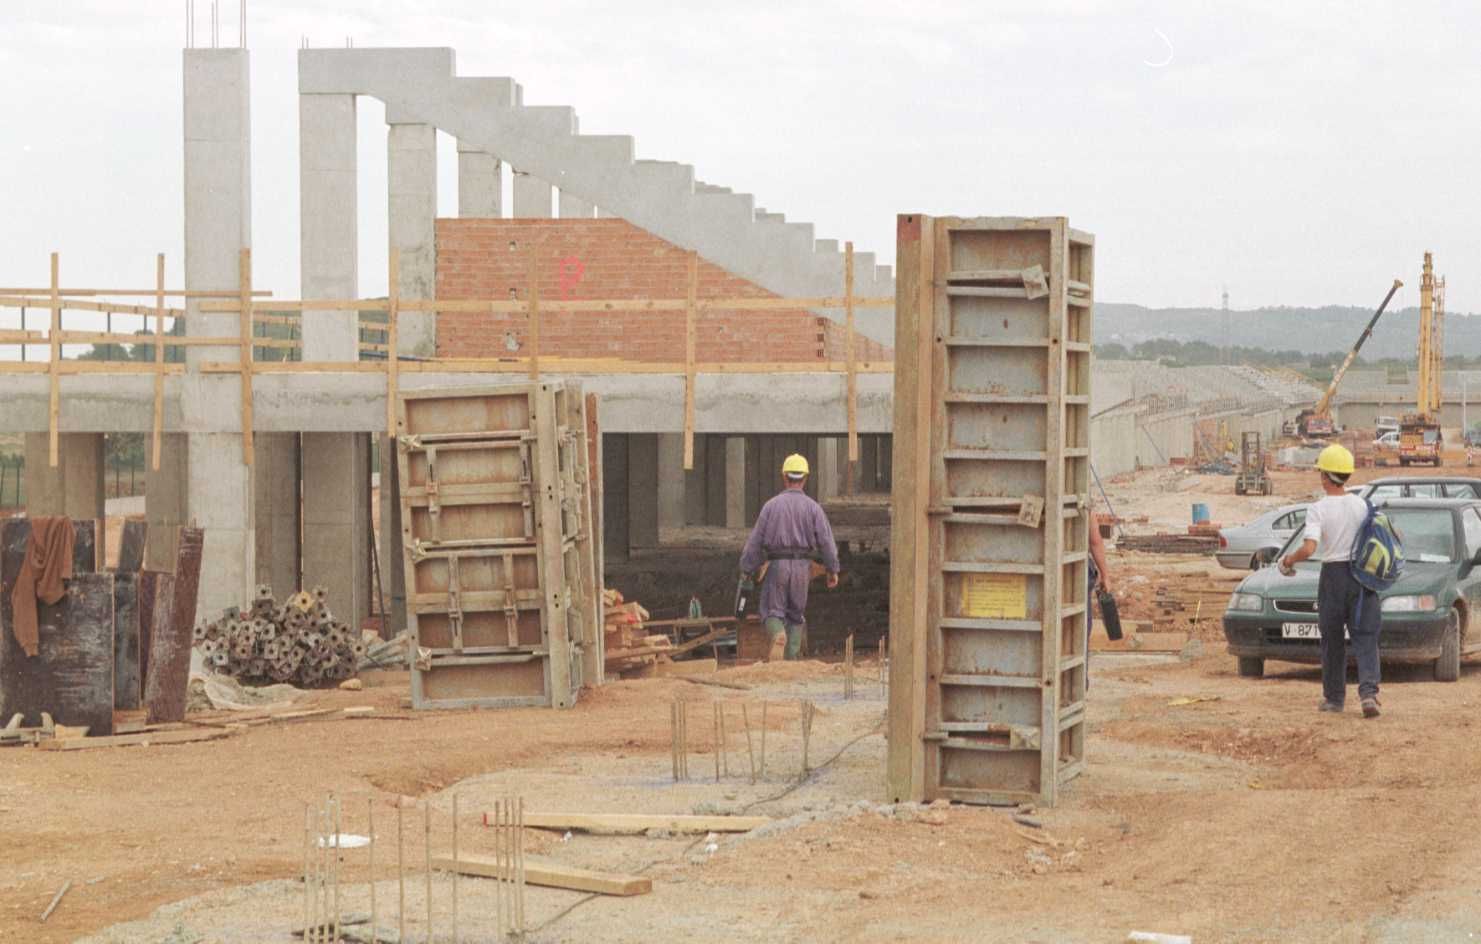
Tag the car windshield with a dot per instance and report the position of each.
(1427, 534)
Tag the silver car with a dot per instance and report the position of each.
(1238, 546)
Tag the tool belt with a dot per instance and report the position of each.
(806, 555)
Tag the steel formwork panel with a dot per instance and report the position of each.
(989, 555)
(502, 597)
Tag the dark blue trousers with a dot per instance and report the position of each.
(1345, 608)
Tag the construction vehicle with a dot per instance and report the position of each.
(1252, 478)
(1316, 423)
(1420, 440)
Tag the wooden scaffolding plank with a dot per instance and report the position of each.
(691, 315)
(393, 356)
(851, 356)
(549, 874)
(157, 434)
(54, 362)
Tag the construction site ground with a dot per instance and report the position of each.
(1224, 808)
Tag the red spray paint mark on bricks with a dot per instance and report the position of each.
(571, 270)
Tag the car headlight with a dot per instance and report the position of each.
(1413, 603)
(1246, 602)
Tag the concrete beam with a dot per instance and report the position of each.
(412, 173)
(314, 402)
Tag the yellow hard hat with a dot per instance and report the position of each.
(795, 465)
(1335, 459)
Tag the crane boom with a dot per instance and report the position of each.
(1324, 405)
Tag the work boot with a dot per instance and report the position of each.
(1331, 706)
(778, 630)
(1370, 707)
(795, 634)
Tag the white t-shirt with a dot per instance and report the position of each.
(1333, 523)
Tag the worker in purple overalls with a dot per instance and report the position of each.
(790, 534)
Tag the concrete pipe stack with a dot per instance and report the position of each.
(297, 641)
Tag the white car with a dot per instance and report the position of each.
(1239, 546)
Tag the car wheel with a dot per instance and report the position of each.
(1251, 667)
(1447, 667)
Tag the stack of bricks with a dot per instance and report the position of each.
(611, 259)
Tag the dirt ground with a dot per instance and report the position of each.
(1239, 815)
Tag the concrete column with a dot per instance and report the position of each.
(716, 480)
(829, 473)
(218, 225)
(165, 500)
(412, 172)
(276, 499)
(695, 483)
(532, 197)
(336, 521)
(573, 207)
(735, 482)
(670, 480)
(328, 228)
(335, 466)
(74, 488)
(480, 184)
(614, 497)
(642, 489)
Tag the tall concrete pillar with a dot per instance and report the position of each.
(276, 500)
(328, 227)
(480, 184)
(412, 172)
(573, 207)
(74, 488)
(166, 505)
(670, 481)
(218, 225)
(392, 565)
(532, 197)
(735, 482)
(335, 466)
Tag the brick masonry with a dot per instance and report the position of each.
(611, 258)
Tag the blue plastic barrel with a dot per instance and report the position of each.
(1200, 512)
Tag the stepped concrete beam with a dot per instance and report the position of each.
(419, 85)
(573, 207)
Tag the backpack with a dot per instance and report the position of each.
(1377, 554)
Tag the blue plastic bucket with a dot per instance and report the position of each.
(1200, 512)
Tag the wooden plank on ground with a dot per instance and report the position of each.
(550, 874)
(687, 667)
(144, 739)
(634, 823)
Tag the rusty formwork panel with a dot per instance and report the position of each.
(502, 598)
(989, 546)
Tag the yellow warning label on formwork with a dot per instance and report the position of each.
(995, 596)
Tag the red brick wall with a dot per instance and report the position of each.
(610, 258)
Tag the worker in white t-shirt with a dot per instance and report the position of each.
(1332, 526)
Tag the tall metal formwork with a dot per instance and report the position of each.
(503, 594)
(988, 586)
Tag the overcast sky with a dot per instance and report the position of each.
(1301, 153)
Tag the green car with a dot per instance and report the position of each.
(1431, 615)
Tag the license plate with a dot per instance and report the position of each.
(1300, 631)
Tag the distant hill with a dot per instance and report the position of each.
(1309, 330)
